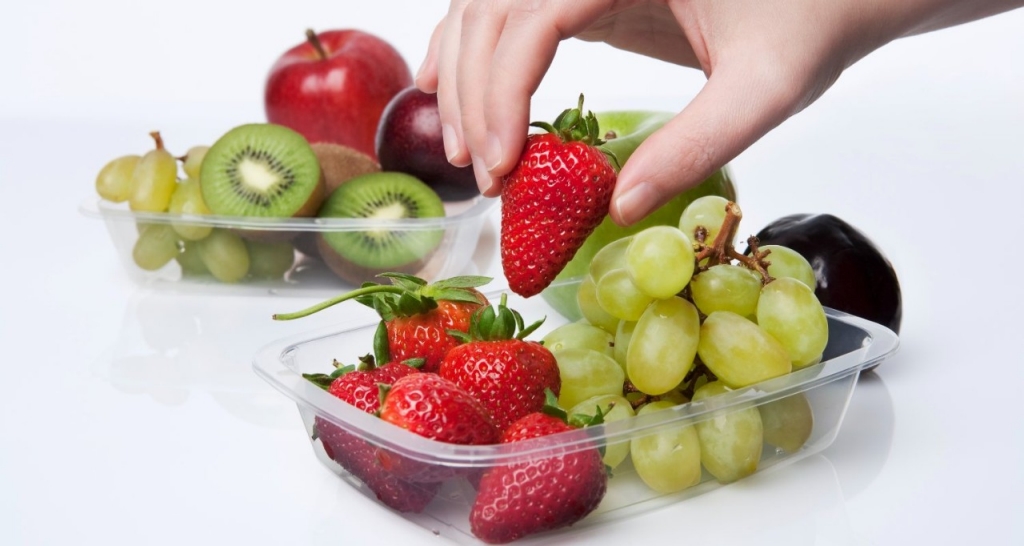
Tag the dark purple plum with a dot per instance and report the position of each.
(409, 141)
(853, 275)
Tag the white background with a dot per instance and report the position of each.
(919, 145)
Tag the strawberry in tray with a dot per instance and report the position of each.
(433, 407)
(553, 199)
(508, 374)
(360, 388)
(417, 316)
(538, 494)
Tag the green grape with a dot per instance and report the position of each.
(114, 182)
(663, 345)
(586, 299)
(623, 333)
(225, 255)
(791, 313)
(660, 261)
(586, 373)
(788, 422)
(611, 256)
(667, 461)
(270, 260)
(786, 262)
(726, 287)
(617, 295)
(190, 261)
(580, 335)
(739, 352)
(620, 409)
(194, 161)
(156, 246)
(675, 396)
(730, 443)
(188, 199)
(707, 211)
(154, 179)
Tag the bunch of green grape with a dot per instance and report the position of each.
(674, 314)
(151, 183)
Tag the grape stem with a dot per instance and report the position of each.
(159, 139)
(721, 250)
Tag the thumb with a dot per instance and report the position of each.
(736, 107)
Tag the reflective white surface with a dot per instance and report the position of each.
(132, 416)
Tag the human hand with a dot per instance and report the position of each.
(764, 61)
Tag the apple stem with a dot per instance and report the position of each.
(159, 140)
(312, 38)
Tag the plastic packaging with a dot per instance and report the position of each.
(452, 242)
(824, 388)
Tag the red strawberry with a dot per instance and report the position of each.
(507, 374)
(433, 407)
(553, 200)
(359, 387)
(359, 458)
(538, 494)
(416, 316)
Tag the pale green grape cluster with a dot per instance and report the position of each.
(151, 183)
(674, 313)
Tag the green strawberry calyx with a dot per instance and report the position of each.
(496, 324)
(367, 363)
(572, 125)
(405, 296)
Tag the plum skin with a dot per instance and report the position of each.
(853, 275)
(409, 140)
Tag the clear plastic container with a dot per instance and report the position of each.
(854, 344)
(447, 250)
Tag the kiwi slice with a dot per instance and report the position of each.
(262, 170)
(340, 164)
(357, 255)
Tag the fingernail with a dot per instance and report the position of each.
(483, 178)
(493, 152)
(451, 145)
(636, 203)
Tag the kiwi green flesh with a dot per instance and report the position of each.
(261, 170)
(383, 196)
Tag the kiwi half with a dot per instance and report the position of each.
(262, 170)
(358, 255)
(339, 164)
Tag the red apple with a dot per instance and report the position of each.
(333, 87)
(409, 140)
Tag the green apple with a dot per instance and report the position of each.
(630, 128)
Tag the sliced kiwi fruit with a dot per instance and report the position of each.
(357, 255)
(339, 164)
(262, 170)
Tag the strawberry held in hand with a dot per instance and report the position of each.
(508, 374)
(553, 200)
(417, 316)
(539, 494)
